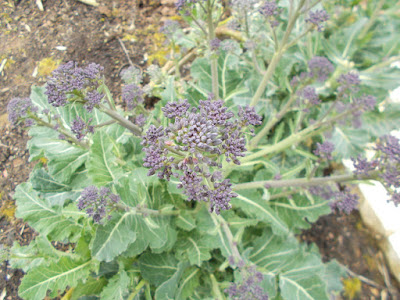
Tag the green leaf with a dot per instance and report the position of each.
(299, 271)
(253, 205)
(92, 286)
(193, 247)
(157, 268)
(167, 290)
(185, 221)
(189, 282)
(380, 123)
(56, 276)
(25, 257)
(63, 158)
(332, 276)
(229, 73)
(349, 142)
(43, 182)
(42, 216)
(117, 287)
(102, 165)
(301, 211)
(114, 237)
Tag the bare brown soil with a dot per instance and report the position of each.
(70, 30)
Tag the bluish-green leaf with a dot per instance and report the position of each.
(102, 165)
(56, 276)
(167, 290)
(117, 287)
(41, 215)
(114, 237)
(157, 268)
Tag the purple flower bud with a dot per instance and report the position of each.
(324, 150)
(92, 99)
(80, 128)
(248, 115)
(132, 75)
(68, 78)
(176, 109)
(249, 287)
(321, 68)
(169, 28)
(214, 44)
(98, 203)
(18, 108)
(317, 18)
(132, 94)
(310, 95)
(269, 9)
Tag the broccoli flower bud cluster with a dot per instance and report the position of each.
(192, 146)
(249, 288)
(18, 109)
(342, 200)
(318, 18)
(68, 80)
(387, 161)
(98, 203)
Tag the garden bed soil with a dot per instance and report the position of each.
(70, 30)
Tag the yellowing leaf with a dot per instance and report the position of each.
(352, 287)
(47, 65)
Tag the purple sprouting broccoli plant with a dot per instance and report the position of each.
(98, 202)
(270, 11)
(191, 148)
(72, 83)
(248, 288)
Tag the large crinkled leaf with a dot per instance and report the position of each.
(301, 211)
(44, 183)
(167, 290)
(229, 73)
(254, 206)
(349, 142)
(102, 165)
(114, 237)
(185, 221)
(300, 272)
(41, 215)
(155, 231)
(193, 247)
(91, 287)
(117, 287)
(189, 282)
(157, 268)
(56, 276)
(63, 158)
(380, 123)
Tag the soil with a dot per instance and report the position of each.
(71, 30)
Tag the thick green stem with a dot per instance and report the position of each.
(60, 130)
(214, 62)
(215, 288)
(271, 123)
(276, 57)
(303, 182)
(137, 289)
(121, 120)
